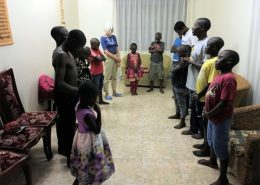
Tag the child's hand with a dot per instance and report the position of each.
(194, 96)
(96, 108)
(98, 59)
(183, 62)
(205, 114)
(187, 59)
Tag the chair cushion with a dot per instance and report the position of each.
(8, 159)
(20, 140)
(44, 118)
(12, 127)
(238, 139)
(9, 95)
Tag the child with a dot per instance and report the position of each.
(96, 61)
(206, 75)
(134, 72)
(91, 158)
(187, 38)
(219, 106)
(179, 77)
(82, 64)
(200, 29)
(156, 65)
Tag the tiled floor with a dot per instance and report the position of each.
(146, 149)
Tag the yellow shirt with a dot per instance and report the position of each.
(206, 75)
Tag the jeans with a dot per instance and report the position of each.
(218, 137)
(98, 80)
(180, 97)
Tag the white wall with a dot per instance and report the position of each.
(230, 20)
(30, 55)
(93, 15)
(71, 14)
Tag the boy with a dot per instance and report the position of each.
(219, 106)
(82, 65)
(206, 75)
(200, 29)
(96, 61)
(156, 65)
(179, 76)
(66, 90)
(175, 58)
(59, 34)
(187, 38)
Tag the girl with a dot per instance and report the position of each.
(91, 158)
(134, 72)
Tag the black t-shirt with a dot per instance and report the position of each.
(179, 77)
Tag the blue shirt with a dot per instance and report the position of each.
(176, 43)
(109, 43)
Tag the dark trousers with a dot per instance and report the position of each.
(65, 125)
(196, 123)
(98, 80)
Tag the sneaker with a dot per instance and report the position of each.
(117, 94)
(108, 97)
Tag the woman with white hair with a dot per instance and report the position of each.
(110, 47)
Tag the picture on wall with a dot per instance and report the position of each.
(5, 30)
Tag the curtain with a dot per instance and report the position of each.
(253, 72)
(138, 21)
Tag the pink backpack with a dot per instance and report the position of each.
(45, 88)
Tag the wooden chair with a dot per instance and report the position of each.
(20, 142)
(13, 109)
(11, 161)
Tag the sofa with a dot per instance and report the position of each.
(242, 88)
(145, 58)
(245, 145)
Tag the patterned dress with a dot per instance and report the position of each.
(91, 158)
(133, 63)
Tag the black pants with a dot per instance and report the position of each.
(196, 123)
(66, 121)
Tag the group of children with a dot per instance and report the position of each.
(199, 70)
(203, 72)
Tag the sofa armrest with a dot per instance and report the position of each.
(246, 118)
(252, 163)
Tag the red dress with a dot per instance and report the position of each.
(134, 71)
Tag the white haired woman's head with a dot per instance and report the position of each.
(108, 28)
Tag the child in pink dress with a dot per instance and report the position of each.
(91, 159)
(134, 71)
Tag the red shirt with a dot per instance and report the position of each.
(96, 66)
(223, 87)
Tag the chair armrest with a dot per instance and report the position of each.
(252, 149)
(246, 118)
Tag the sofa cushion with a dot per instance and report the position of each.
(238, 139)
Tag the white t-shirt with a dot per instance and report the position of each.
(198, 55)
(189, 38)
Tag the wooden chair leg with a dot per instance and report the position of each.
(47, 144)
(27, 174)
